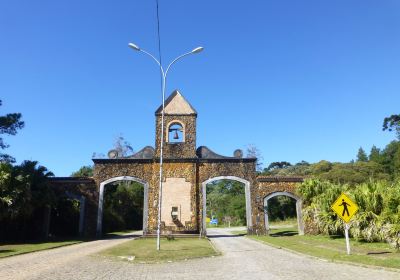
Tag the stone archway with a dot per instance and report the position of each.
(299, 203)
(99, 227)
(82, 205)
(246, 183)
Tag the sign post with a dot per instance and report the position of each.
(346, 233)
(345, 208)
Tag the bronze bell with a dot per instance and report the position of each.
(176, 136)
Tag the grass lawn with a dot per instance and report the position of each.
(7, 250)
(143, 250)
(286, 223)
(333, 248)
(239, 232)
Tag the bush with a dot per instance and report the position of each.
(378, 217)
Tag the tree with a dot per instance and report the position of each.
(391, 158)
(36, 177)
(226, 201)
(123, 206)
(253, 152)
(9, 124)
(84, 171)
(122, 147)
(361, 155)
(278, 165)
(392, 123)
(321, 167)
(302, 163)
(375, 154)
(25, 198)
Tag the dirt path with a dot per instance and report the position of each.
(242, 259)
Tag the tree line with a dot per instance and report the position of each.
(378, 165)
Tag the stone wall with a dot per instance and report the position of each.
(105, 169)
(148, 171)
(193, 172)
(241, 168)
(267, 186)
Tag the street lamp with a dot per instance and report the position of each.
(164, 80)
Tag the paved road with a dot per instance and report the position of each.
(242, 259)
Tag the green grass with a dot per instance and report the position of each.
(7, 250)
(239, 232)
(333, 248)
(288, 222)
(143, 250)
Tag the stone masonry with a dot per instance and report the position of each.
(186, 171)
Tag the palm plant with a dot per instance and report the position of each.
(378, 218)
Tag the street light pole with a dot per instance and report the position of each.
(164, 81)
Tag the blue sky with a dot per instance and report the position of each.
(301, 80)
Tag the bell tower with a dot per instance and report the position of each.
(179, 128)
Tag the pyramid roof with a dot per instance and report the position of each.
(176, 104)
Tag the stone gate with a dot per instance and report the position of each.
(187, 170)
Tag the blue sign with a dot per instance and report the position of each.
(214, 222)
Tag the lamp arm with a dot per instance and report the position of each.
(175, 60)
(155, 59)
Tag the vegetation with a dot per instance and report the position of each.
(64, 221)
(144, 250)
(84, 171)
(378, 218)
(253, 152)
(378, 165)
(123, 206)
(226, 202)
(25, 198)
(333, 248)
(9, 125)
(281, 208)
(392, 123)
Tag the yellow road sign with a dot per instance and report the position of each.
(344, 207)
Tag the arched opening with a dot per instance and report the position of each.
(280, 206)
(176, 132)
(123, 205)
(230, 201)
(67, 216)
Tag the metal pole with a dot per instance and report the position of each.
(161, 164)
(164, 81)
(346, 233)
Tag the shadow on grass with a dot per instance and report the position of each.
(6, 251)
(284, 233)
(119, 236)
(379, 253)
(336, 236)
(226, 235)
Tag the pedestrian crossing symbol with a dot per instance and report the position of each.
(344, 207)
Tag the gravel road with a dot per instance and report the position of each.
(242, 259)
